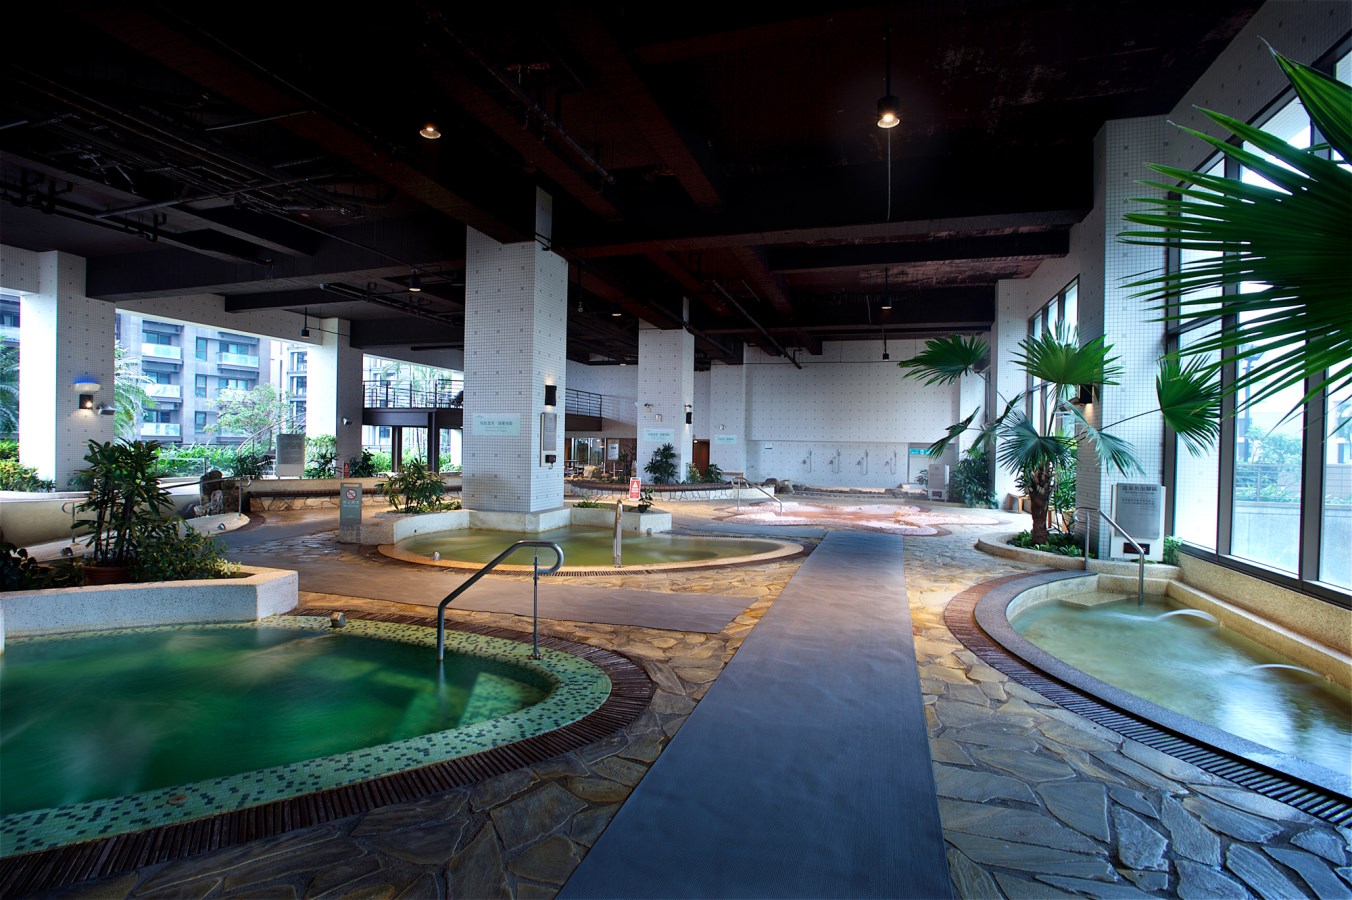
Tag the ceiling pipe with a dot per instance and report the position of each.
(769, 337)
(522, 97)
(351, 293)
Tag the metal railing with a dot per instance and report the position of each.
(1140, 551)
(441, 394)
(582, 403)
(488, 567)
(739, 482)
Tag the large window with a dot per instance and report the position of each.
(1059, 316)
(1262, 500)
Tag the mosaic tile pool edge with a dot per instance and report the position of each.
(583, 690)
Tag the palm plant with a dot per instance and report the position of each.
(9, 389)
(1289, 237)
(1037, 450)
(130, 399)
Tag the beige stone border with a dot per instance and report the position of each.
(784, 550)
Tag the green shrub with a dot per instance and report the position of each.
(17, 477)
(645, 501)
(1170, 555)
(713, 474)
(321, 456)
(662, 466)
(194, 459)
(588, 504)
(363, 466)
(693, 475)
(971, 483)
(168, 556)
(247, 465)
(9, 449)
(1057, 542)
(415, 489)
(20, 572)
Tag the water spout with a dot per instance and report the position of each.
(1187, 612)
(1288, 667)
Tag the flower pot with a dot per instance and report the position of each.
(105, 574)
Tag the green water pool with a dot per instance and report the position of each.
(108, 715)
(583, 547)
(1208, 673)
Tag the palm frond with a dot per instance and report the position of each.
(1054, 359)
(945, 360)
(1023, 447)
(955, 431)
(1115, 452)
(1190, 398)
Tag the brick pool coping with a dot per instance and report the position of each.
(631, 691)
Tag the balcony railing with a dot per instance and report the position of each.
(242, 360)
(161, 429)
(165, 391)
(162, 351)
(581, 403)
(9, 334)
(406, 395)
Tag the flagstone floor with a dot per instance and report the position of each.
(1035, 801)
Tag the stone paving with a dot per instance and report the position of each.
(1035, 801)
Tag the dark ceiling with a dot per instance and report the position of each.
(722, 153)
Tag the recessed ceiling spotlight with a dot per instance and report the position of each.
(616, 313)
(429, 131)
(414, 283)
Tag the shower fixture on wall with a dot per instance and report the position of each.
(863, 463)
(835, 463)
(807, 460)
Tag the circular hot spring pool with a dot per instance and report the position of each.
(586, 549)
(114, 731)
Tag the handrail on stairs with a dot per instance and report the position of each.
(1140, 551)
(488, 567)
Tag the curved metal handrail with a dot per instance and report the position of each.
(1140, 551)
(739, 482)
(488, 567)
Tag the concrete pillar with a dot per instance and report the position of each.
(727, 417)
(666, 383)
(62, 334)
(516, 309)
(334, 390)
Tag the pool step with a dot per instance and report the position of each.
(1093, 598)
(1128, 584)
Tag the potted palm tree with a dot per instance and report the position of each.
(124, 507)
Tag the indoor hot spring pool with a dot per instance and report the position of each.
(586, 549)
(102, 732)
(1183, 660)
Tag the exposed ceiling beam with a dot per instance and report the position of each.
(803, 259)
(406, 332)
(280, 300)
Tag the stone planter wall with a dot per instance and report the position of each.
(393, 527)
(261, 593)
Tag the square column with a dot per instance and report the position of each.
(333, 388)
(62, 334)
(727, 417)
(516, 310)
(666, 383)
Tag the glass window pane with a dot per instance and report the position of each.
(1268, 442)
(1290, 123)
(1335, 558)
(1072, 311)
(1196, 478)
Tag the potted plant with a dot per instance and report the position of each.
(126, 503)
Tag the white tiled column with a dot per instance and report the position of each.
(516, 307)
(727, 417)
(333, 388)
(666, 383)
(62, 334)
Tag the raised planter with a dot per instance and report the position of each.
(998, 545)
(633, 522)
(393, 527)
(667, 492)
(256, 595)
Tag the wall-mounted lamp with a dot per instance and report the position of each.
(346, 420)
(86, 387)
(551, 396)
(689, 414)
(647, 407)
(106, 409)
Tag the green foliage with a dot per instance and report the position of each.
(9, 389)
(20, 572)
(247, 412)
(1063, 494)
(945, 360)
(168, 555)
(1170, 555)
(9, 449)
(381, 462)
(970, 482)
(713, 474)
(645, 499)
(247, 465)
(194, 459)
(693, 475)
(14, 476)
(662, 467)
(321, 456)
(362, 466)
(125, 498)
(1058, 542)
(415, 489)
(588, 504)
(1290, 236)
(130, 399)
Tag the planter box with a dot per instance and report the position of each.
(393, 527)
(261, 593)
(633, 522)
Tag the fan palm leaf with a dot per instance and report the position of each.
(9, 389)
(1190, 399)
(945, 360)
(1288, 238)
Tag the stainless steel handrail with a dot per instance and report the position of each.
(535, 601)
(739, 482)
(1140, 551)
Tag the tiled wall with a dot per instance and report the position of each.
(63, 334)
(515, 341)
(666, 383)
(618, 386)
(334, 370)
(727, 416)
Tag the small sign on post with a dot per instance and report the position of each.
(635, 488)
(349, 513)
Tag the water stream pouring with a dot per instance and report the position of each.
(1196, 613)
